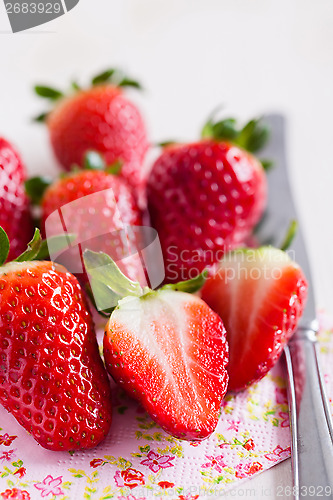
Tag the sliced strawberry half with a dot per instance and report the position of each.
(168, 349)
(260, 295)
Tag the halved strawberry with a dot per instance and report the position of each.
(260, 295)
(166, 348)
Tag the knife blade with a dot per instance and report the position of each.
(310, 415)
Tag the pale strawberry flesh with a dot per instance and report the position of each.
(168, 350)
(260, 311)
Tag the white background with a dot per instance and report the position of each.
(254, 56)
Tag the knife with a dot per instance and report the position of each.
(310, 415)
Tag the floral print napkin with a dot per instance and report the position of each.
(138, 460)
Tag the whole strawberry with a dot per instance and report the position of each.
(260, 295)
(15, 215)
(204, 198)
(52, 378)
(166, 348)
(99, 118)
(99, 208)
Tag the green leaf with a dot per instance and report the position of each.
(207, 130)
(32, 249)
(93, 161)
(115, 168)
(4, 246)
(35, 188)
(48, 92)
(128, 82)
(253, 136)
(291, 232)
(104, 272)
(225, 129)
(76, 86)
(56, 243)
(41, 118)
(266, 164)
(103, 77)
(189, 286)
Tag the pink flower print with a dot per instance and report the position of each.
(129, 477)
(215, 463)
(188, 497)
(249, 445)
(234, 425)
(278, 454)
(6, 440)
(131, 497)
(285, 418)
(281, 396)
(156, 462)
(96, 462)
(247, 469)
(21, 472)
(50, 486)
(7, 455)
(15, 494)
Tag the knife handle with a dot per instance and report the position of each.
(310, 419)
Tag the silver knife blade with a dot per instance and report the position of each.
(281, 210)
(310, 414)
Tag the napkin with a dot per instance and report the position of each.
(138, 460)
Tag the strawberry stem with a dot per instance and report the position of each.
(32, 249)
(190, 286)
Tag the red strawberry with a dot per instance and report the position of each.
(98, 207)
(204, 198)
(101, 118)
(260, 296)
(166, 348)
(15, 215)
(52, 378)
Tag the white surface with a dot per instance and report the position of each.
(255, 56)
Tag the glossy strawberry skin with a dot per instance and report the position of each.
(168, 350)
(15, 217)
(101, 119)
(100, 222)
(260, 315)
(52, 378)
(203, 198)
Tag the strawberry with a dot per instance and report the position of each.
(260, 295)
(95, 205)
(166, 348)
(52, 378)
(15, 215)
(205, 197)
(100, 118)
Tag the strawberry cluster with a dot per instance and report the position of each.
(169, 348)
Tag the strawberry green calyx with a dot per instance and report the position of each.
(115, 77)
(95, 161)
(252, 137)
(37, 249)
(109, 285)
(112, 76)
(35, 187)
